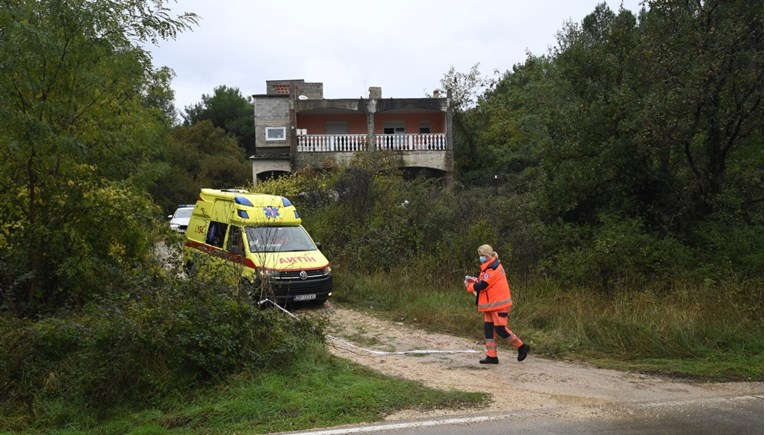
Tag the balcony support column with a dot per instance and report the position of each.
(371, 110)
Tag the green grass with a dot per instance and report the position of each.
(318, 391)
(694, 332)
(698, 332)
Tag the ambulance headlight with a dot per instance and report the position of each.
(327, 270)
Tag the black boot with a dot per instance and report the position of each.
(523, 351)
(489, 360)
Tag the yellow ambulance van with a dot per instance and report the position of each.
(256, 241)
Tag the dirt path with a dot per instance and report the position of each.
(563, 388)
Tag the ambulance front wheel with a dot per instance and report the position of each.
(188, 269)
(249, 290)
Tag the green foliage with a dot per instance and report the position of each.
(198, 156)
(66, 255)
(717, 111)
(160, 96)
(464, 90)
(76, 144)
(315, 390)
(151, 338)
(370, 219)
(730, 246)
(617, 254)
(628, 153)
(705, 331)
(228, 110)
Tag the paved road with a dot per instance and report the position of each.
(736, 415)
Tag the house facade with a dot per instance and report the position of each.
(296, 127)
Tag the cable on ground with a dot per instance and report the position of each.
(374, 352)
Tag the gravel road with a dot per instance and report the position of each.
(566, 389)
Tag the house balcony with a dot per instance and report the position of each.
(311, 143)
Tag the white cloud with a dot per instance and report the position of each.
(403, 46)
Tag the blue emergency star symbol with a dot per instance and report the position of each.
(271, 212)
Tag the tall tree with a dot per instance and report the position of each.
(199, 156)
(513, 118)
(705, 105)
(159, 96)
(75, 141)
(650, 115)
(589, 163)
(464, 91)
(640, 130)
(226, 109)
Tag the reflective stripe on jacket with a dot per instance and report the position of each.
(493, 291)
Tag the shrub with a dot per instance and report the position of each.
(87, 228)
(619, 253)
(141, 344)
(369, 220)
(730, 246)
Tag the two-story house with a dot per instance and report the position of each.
(295, 127)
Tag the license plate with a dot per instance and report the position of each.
(308, 297)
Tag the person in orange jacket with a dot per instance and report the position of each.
(492, 298)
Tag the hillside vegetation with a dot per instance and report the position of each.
(627, 207)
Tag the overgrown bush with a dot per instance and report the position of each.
(618, 253)
(157, 336)
(84, 230)
(370, 219)
(730, 246)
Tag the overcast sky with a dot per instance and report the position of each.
(403, 46)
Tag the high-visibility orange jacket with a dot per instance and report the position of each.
(491, 287)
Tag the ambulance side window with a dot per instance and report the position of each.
(235, 243)
(215, 233)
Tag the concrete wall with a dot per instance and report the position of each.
(260, 166)
(440, 160)
(314, 91)
(272, 111)
(296, 104)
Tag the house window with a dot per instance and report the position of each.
(336, 127)
(394, 127)
(424, 127)
(393, 132)
(276, 133)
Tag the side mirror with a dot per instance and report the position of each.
(169, 216)
(318, 245)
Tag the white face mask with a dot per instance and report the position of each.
(482, 259)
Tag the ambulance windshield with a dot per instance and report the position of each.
(279, 239)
